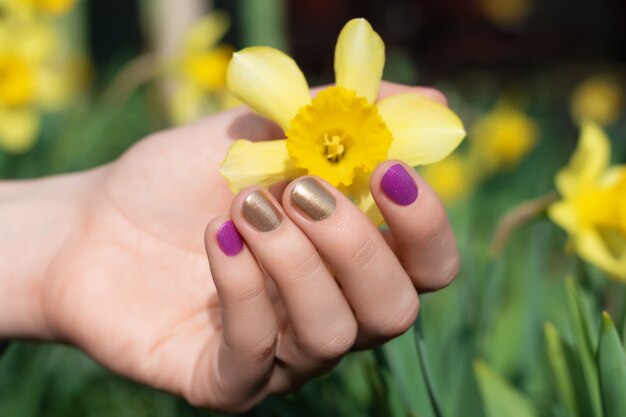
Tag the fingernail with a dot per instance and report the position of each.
(399, 186)
(260, 212)
(313, 199)
(229, 239)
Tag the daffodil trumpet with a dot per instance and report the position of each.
(343, 133)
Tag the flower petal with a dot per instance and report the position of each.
(18, 129)
(589, 161)
(565, 215)
(207, 32)
(186, 103)
(359, 59)
(593, 248)
(360, 192)
(258, 163)
(269, 81)
(424, 131)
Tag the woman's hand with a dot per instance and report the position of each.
(129, 283)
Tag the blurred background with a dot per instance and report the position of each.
(82, 80)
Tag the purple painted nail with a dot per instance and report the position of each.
(399, 186)
(229, 239)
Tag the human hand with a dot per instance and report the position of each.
(132, 288)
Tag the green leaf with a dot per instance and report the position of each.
(559, 368)
(499, 397)
(612, 370)
(584, 346)
(407, 374)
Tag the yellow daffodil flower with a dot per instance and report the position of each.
(452, 178)
(29, 9)
(598, 99)
(29, 80)
(593, 205)
(201, 74)
(342, 133)
(501, 138)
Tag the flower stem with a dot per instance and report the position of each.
(420, 347)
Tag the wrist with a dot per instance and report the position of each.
(37, 217)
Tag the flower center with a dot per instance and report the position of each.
(338, 134)
(333, 147)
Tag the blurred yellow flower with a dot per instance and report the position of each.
(201, 71)
(452, 178)
(502, 138)
(53, 7)
(506, 12)
(598, 99)
(31, 8)
(593, 205)
(342, 134)
(29, 80)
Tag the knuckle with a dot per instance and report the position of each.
(304, 264)
(364, 251)
(442, 277)
(397, 321)
(251, 292)
(263, 349)
(436, 224)
(450, 269)
(336, 342)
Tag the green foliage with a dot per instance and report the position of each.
(611, 363)
(499, 397)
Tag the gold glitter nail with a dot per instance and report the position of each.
(260, 212)
(312, 198)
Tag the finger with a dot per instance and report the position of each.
(373, 281)
(322, 327)
(417, 221)
(388, 89)
(249, 326)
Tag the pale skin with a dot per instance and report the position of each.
(114, 261)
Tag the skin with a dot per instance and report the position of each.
(114, 261)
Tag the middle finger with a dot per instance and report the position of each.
(373, 280)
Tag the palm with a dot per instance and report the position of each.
(140, 277)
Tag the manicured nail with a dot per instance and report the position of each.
(313, 199)
(260, 212)
(229, 239)
(399, 185)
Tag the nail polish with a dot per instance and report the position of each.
(313, 199)
(399, 186)
(228, 239)
(260, 212)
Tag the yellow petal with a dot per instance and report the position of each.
(359, 59)
(53, 89)
(589, 161)
(451, 178)
(360, 192)
(565, 215)
(37, 42)
(207, 32)
(593, 248)
(55, 7)
(18, 129)
(186, 103)
(269, 81)
(258, 163)
(424, 131)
